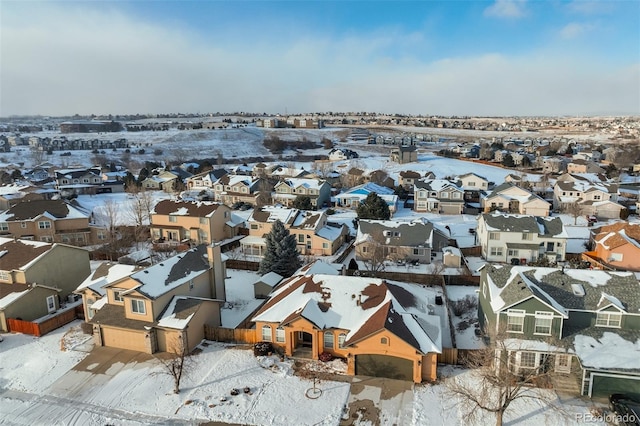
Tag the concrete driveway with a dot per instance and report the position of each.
(379, 401)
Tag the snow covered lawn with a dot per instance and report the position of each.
(465, 325)
(240, 297)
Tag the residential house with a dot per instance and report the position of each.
(438, 196)
(404, 154)
(377, 326)
(287, 190)
(380, 177)
(314, 234)
(338, 154)
(616, 247)
(92, 289)
(401, 242)
(520, 239)
(52, 221)
(407, 178)
(265, 285)
(189, 223)
(164, 307)
(510, 198)
(280, 172)
(551, 164)
(37, 278)
(582, 324)
(205, 180)
(473, 182)
(79, 181)
(594, 197)
(232, 189)
(354, 176)
(353, 197)
(163, 181)
(583, 166)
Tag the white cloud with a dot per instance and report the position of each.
(506, 9)
(588, 7)
(82, 62)
(575, 29)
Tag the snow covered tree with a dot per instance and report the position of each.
(282, 255)
(373, 207)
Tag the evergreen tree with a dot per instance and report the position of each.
(373, 207)
(282, 255)
(302, 202)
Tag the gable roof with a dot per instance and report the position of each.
(618, 234)
(362, 306)
(105, 274)
(412, 234)
(543, 226)
(163, 277)
(32, 209)
(20, 254)
(186, 208)
(180, 310)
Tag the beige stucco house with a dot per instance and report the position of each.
(287, 190)
(510, 198)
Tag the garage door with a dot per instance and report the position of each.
(384, 366)
(451, 209)
(603, 386)
(124, 339)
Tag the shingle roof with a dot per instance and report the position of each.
(543, 226)
(15, 254)
(411, 234)
(186, 208)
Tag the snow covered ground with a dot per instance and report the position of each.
(240, 300)
(465, 324)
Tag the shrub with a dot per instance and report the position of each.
(157, 151)
(462, 306)
(262, 348)
(325, 357)
(330, 212)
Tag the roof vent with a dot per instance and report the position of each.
(145, 271)
(578, 290)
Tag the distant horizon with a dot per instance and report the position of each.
(481, 58)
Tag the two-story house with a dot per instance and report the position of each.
(594, 197)
(519, 239)
(164, 307)
(404, 154)
(616, 247)
(473, 182)
(353, 197)
(287, 190)
(402, 242)
(163, 181)
(508, 197)
(583, 166)
(36, 277)
(438, 196)
(375, 325)
(205, 180)
(550, 318)
(339, 154)
(407, 178)
(314, 234)
(192, 223)
(52, 221)
(232, 189)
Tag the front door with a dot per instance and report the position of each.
(563, 363)
(305, 339)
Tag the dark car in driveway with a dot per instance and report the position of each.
(626, 408)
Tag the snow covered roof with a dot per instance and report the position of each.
(180, 311)
(186, 208)
(361, 306)
(543, 226)
(106, 274)
(20, 254)
(418, 233)
(317, 267)
(271, 279)
(12, 297)
(34, 209)
(303, 182)
(163, 277)
(608, 351)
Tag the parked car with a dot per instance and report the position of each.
(627, 407)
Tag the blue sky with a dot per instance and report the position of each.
(416, 57)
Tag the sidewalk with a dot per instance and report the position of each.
(379, 401)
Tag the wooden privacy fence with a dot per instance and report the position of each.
(43, 327)
(453, 356)
(230, 335)
(243, 264)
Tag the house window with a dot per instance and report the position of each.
(51, 304)
(4, 275)
(455, 195)
(23, 224)
(280, 335)
(101, 236)
(513, 252)
(301, 238)
(341, 339)
(543, 323)
(203, 220)
(266, 333)
(608, 319)
(515, 321)
(244, 189)
(496, 251)
(418, 252)
(173, 219)
(472, 184)
(484, 290)
(203, 236)
(444, 195)
(190, 284)
(494, 235)
(46, 239)
(596, 197)
(4, 226)
(45, 224)
(254, 226)
(616, 257)
(328, 340)
(527, 236)
(117, 296)
(137, 307)
(527, 360)
(325, 245)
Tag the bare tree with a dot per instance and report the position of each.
(138, 209)
(176, 362)
(496, 380)
(179, 155)
(575, 210)
(37, 155)
(373, 253)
